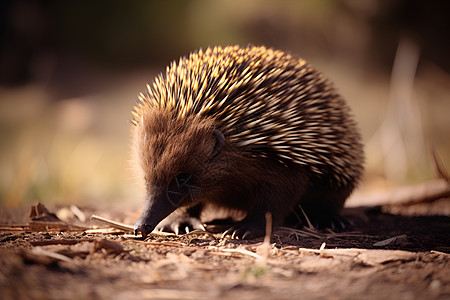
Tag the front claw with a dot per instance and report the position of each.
(182, 224)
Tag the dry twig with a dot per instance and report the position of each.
(114, 224)
(406, 195)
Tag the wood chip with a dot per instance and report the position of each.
(109, 246)
(391, 241)
(40, 213)
(381, 257)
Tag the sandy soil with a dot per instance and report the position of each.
(381, 255)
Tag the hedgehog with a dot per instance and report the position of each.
(252, 129)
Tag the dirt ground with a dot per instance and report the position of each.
(381, 255)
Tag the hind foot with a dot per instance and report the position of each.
(337, 222)
(332, 220)
(319, 218)
(246, 230)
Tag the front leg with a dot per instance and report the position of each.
(182, 220)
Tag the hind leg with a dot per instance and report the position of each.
(265, 200)
(252, 226)
(321, 208)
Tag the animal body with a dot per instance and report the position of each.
(250, 129)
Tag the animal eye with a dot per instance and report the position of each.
(182, 178)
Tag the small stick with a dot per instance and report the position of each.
(310, 225)
(244, 252)
(78, 213)
(113, 223)
(266, 243)
(59, 242)
(41, 252)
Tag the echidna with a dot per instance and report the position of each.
(252, 129)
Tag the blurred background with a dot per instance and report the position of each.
(70, 73)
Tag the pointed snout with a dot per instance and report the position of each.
(155, 210)
(143, 227)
